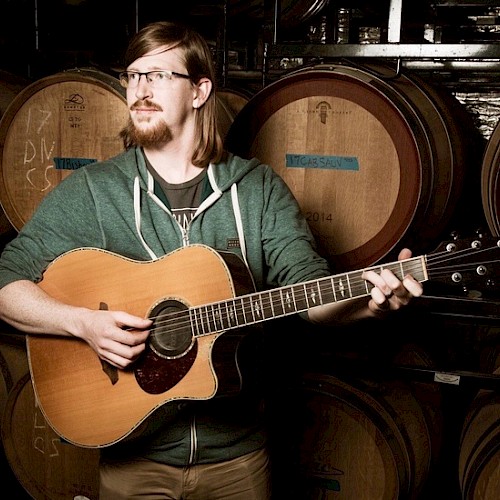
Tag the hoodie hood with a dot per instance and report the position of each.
(223, 175)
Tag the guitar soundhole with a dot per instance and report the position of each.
(171, 334)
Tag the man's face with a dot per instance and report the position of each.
(160, 107)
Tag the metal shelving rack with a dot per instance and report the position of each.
(428, 57)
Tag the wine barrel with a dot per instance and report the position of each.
(479, 456)
(376, 162)
(229, 103)
(13, 366)
(10, 86)
(358, 439)
(490, 181)
(52, 127)
(46, 466)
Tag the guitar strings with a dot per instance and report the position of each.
(260, 306)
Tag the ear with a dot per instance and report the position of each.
(202, 92)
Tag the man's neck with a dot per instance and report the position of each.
(173, 166)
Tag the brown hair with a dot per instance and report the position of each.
(199, 64)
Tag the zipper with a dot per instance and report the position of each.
(194, 442)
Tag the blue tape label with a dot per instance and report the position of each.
(323, 162)
(72, 163)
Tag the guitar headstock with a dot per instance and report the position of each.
(468, 267)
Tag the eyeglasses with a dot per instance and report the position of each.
(157, 79)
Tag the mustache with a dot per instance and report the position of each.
(145, 103)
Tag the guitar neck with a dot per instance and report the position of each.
(292, 299)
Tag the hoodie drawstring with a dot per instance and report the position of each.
(137, 213)
(239, 222)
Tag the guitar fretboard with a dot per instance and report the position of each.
(262, 306)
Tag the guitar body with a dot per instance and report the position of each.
(92, 404)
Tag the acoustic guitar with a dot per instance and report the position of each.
(194, 295)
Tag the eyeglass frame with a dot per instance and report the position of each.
(123, 76)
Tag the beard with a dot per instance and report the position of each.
(151, 137)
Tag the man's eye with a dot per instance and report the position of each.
(132, 76)
(160, 76)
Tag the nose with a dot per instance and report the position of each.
(143, 88)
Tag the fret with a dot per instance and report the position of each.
(357, 285)
(300, 297)
(250, 311)
(271, 302)
(208, 319)
(219, 318)
(242, 317)
(238, 317)
(232, 320)
(193, 322)
(212, 324)
(348, 285)
(326, 291)
(396, 269)
(267, 306)
(291, 300)
(257, 309)
(214, 318)
(332, 286)
(277, 303)
(228, 314)
(204, 320)
(368, 286)
(287, 299)
(313, 294)
(197, 320)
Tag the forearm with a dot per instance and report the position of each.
(341, 312)
(28, 308)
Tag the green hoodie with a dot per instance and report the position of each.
(116, 205)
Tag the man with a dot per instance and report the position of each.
(174, 187)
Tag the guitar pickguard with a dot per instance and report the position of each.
(156, 374)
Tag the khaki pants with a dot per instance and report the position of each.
(243, 478)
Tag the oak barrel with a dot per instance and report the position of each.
(13, 362)
(479, 456)
(10, 86)
(490, 181)
(375, 161)
(13, 366)
(52, 127)
(229, 103)
(46, 466)
(358, 439)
